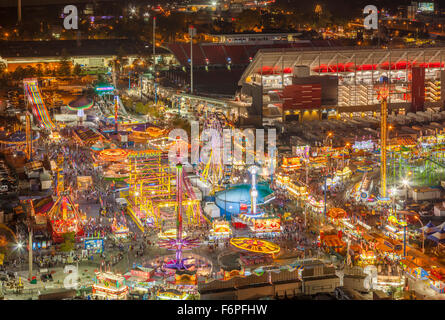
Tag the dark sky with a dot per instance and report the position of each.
(13, 3)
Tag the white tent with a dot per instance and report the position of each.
(429, 228)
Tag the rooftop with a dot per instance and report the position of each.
(51, 48)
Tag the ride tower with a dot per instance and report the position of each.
(383, 94)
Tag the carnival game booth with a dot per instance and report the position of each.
(291, 163)
(143, 132)
(331, 239)
(84, 182)
(94, 244)
(298, 191)
(110, 286)
(140, 280)
(88, 137)
(220, 230)
(186, 280)
(229, 272)
(436, 279)
(336, 214)
(263, 225)
(169, 234)
(173, 294)
(414, 267)
(120, 230)
(367, 258)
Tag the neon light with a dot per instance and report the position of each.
(255, 245)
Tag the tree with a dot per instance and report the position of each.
(247, 21)
(68, 242)
(77, 69)
(18, 73)
(64, 64)
(30, 71)
(39, 70)
(2, 67)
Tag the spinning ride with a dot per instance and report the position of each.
(255, 245)
(180, 243)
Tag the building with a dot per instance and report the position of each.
(354, 278)
(270, 284)
(310, 278)
(319, 279)
(350, 80)
(421, 194)
(91, 54)
(255, 37)
(439, 210)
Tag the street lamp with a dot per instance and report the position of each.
(423, 233)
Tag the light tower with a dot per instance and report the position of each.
(116, 106)
(383, 94)
(253, 192)
(179, 213)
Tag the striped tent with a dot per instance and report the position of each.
(246, 218)
(429, 228)
(296, 267)
(438, 237)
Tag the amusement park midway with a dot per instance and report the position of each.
(149, 193)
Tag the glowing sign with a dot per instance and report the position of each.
(104, 89)
(426, 6)
(94, 244)
(363, 145)
(267, 225)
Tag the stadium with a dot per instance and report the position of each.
(344, 79)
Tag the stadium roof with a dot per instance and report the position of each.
(236, 54)
(101, 47)
(342, 59)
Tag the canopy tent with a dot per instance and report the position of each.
(438, 237)
(429, 228)
(441, 226)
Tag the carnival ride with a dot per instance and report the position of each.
(232, 200)
(151, 195)
(181, 243)
(255, 245)
(34, 97)
(210, 166)
(80, 105)
(7, 236)
(64, 213)
(114, 163)
(20, 141)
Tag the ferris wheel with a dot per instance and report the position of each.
(211, 161)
